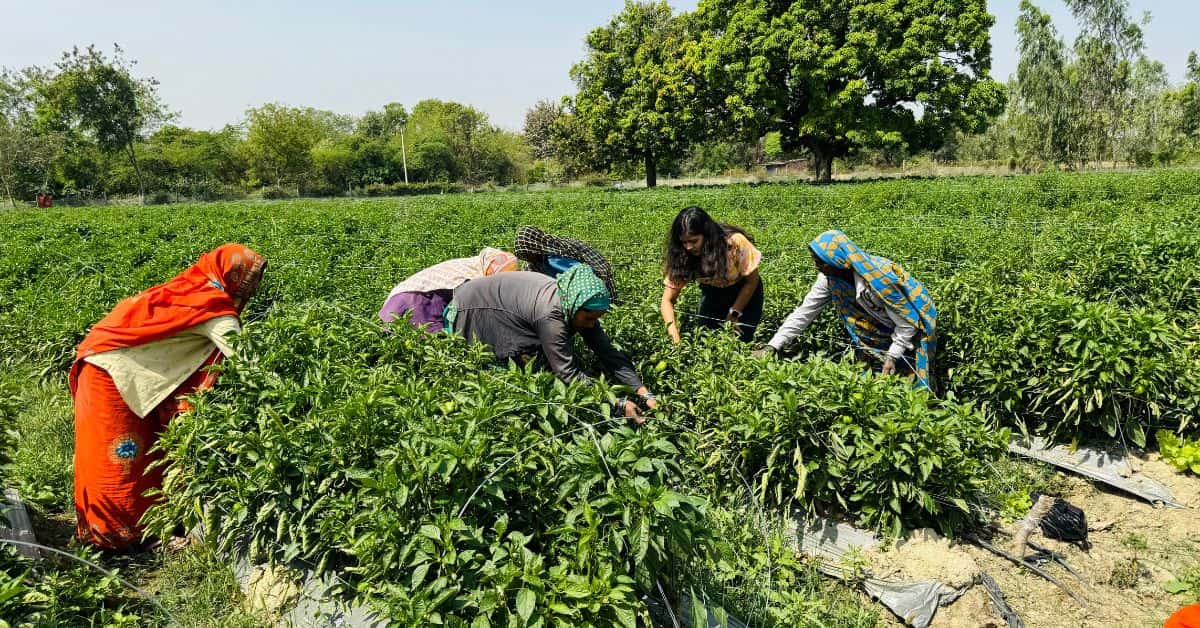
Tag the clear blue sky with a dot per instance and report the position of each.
(215, 58)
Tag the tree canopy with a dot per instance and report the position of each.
(632, 97)
(92, 94)
(832, 76)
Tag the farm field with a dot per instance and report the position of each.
(442, 490)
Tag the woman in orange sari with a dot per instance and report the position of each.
(129, 378)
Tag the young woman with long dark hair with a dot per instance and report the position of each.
(724, 261)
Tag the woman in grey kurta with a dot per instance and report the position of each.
(523, 315)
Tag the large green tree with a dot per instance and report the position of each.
(1046, 94)
(27, 155)
(99, 96)
(575, 147)
(633, 96)
(450, 141)
(179, 157)
(1155, 132)
(1190, 97)
(1109, 44)
(539, 128)
(834, 75)
(280, 140)
(384, 123)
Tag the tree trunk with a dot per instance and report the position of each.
(651, 170)
(822, 163)
(8, 190)
(137, 173)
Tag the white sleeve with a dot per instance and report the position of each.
(803, 316)
(903, 333)
(215, 329)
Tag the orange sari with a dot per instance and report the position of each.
(112, 444)
(1186, 617)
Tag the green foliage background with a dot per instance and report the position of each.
(337, 444)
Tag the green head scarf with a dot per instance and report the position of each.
(580, 289)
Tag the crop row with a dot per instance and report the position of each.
(443, 489)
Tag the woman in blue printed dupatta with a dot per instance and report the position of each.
(890, 316)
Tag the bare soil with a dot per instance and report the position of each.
(1136, 547)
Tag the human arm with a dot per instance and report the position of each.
(555, 338)
(801, 317)
(903, 333)
(615, 362)
(744, 295)
(745, 257)
(667, 307)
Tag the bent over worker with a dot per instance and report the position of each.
(426, 294)
(552, 255)
(889, 315)
(129, 378)
(527, 316)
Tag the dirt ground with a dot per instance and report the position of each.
(1119, 591)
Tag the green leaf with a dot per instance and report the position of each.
(431, 532)
(418, 575)
(1175, 587)
(626, 617)
(526, 600)
(699, 612)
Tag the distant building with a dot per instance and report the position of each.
(793, 166)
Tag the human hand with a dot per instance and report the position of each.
(889, 366)
(674, 334)
(631, 411)
(763, 353)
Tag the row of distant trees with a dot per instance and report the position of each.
(729, 85)
(873, 81)
(1101, 100)
(88, 125)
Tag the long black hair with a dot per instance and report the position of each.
(713, 259)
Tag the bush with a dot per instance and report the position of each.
(546, 171)
(322, 190)
(1182, 453)
(200, 191)
(159, 198)
(815, 435)
(8, 437)
(1065, 367)
(596, 180)
(208, 191)
(411, 189)
(277, 192)
(1158, 270)
(440, 488)
(57, 591)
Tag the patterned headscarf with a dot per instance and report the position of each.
(889, 281)
(218, 284)
(453, 273)
(580, 289)
(537, 247)
(497, 261)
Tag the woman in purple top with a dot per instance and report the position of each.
(426, 294)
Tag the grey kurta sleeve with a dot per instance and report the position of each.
(555, 337)
(615, 362)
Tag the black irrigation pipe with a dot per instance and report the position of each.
(975, 540)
